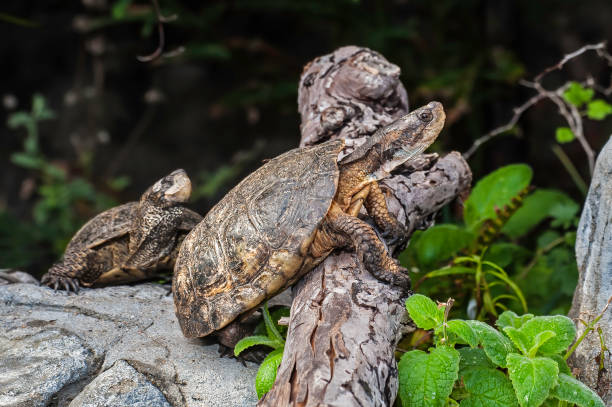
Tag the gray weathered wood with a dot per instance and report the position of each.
(344, 323)
(594, 289)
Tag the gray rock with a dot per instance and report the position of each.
(54, 346)
(594, 257)
(121, 385)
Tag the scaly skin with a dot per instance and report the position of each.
(358, 186)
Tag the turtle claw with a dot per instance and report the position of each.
(67, 284)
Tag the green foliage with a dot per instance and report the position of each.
(58, 195)
(577, 95)
(564, 135)
(598, 109)
(426, 379)
(496, 256)
(507, 182)
(274, 339)
(521, 365)
(266, 374)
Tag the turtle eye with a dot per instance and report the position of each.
(426, 116)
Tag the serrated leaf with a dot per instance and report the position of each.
(564, 135)
(463, 331)
(488, 388)
(539, 340)
(267, 372)
(577, 95)
(427, 379)
(563, 213)
(598, 109)
(494, 343)
(573, 391)
(249, 341)
(536, 207)
(562, 326)
(563, 367)
(532, 379)
(507, 182)
(424, 312)
(441, 242)
(509, 318)
(473, 358)
(518, 338)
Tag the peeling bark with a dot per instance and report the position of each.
(344, 323)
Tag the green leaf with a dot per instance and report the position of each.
(450, 271)
(473, 357)
(532, 379)
(427, 379)
(518, 338)
(509, 318)
(19, 119)
(564, 135)
(494, 343)
(536, 207)
(40, 111)
(495, 190)
(488, 388)
(463, 331)
(424, 312)
(563, 213)
(503, 254)
(563, 367)
(441, 242)
(562, 326)
(27, 161)
(598, 109)
(270, 325)
(267, 372)
(119, 9)
(573, 391)
(577, 95)
(249, 341)
(539, 340)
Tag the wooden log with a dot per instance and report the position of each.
(344, 323)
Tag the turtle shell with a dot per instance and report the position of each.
(104, 227)
(254, 242)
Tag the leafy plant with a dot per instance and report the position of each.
(272, 338)
(501, 257)
(58, 196)
(474, 364)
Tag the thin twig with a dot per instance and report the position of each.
(568, 57)
(161, 19)
(567, 110)
(518, 112)
(571, 169)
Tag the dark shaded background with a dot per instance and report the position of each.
(229, 100)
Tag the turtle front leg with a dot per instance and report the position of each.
(393, 230)
(370, 249)
(62, 277)
(75, 270)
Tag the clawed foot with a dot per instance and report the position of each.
(396, 236)
(56, 282)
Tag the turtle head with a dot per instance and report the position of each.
(172, 189)
(401, 140)
(409, 136)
